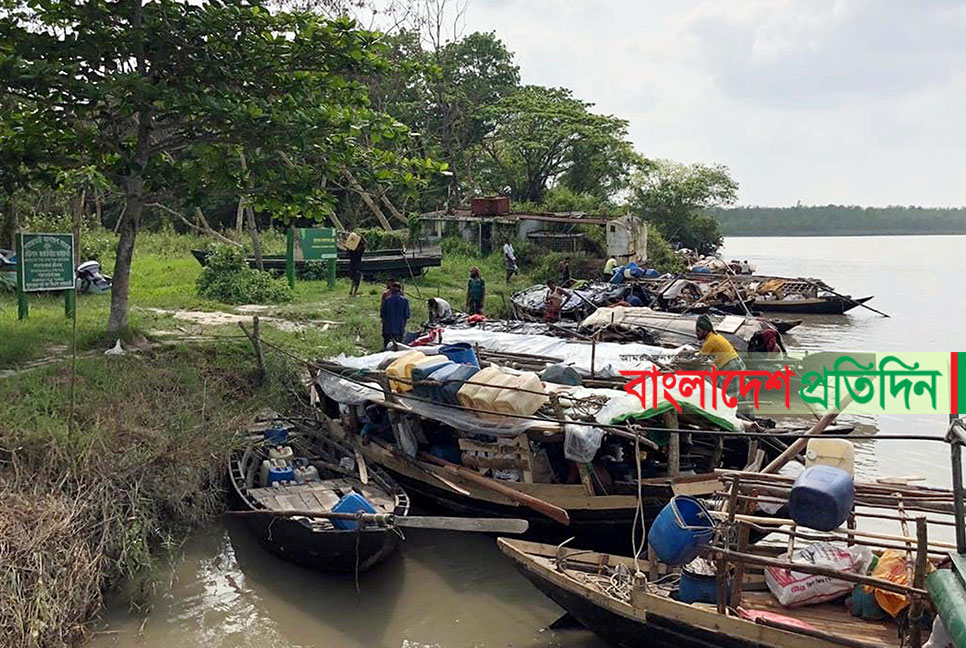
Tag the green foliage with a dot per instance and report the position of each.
(313, 270)
(540, 134)
(660, 254)
(228, 279)
(842, 220)
(673, 196)
(97, 245)
(456, 246)
(379, 239)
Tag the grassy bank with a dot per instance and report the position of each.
(103, 507)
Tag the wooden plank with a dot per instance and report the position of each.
(498, 463)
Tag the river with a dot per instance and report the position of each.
(455, 590)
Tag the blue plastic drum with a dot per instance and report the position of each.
(460, 352)
(680, 530)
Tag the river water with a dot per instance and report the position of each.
(451, 590)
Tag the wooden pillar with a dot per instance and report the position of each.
(673, 445)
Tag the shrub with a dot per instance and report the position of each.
(312, 270)
(456, 246)
(227, 278)
(660, 254)
(380, 239)
(97, 244)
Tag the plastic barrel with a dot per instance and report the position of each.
(276, 435)
(680, 530)
(460, 352)
(351, 503)
(280, 474)
(698, 588)
(453, 381)
(821, 498)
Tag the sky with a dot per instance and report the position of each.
(819, 101)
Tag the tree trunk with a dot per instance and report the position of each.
(10, 225)
(77, 214)
(133, 191)
(250, 214)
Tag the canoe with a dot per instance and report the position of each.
(315, 542)
(637, 618)
(828, 305)
(395, 263)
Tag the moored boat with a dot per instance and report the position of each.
(333, 481)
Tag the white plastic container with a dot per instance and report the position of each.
(467, 393)
(267, 465)
(521, 395)
(837, 453)
(306, 474)
(281, 452)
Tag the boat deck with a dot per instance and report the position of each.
(319, 497)
(832, 619)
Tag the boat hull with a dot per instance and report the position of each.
(825, 306)
(335, 551)
(606, 529)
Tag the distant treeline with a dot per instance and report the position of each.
(838, 220)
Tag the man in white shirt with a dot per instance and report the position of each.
(510, 258)
(439, 309)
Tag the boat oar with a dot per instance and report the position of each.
(848, 298)
(475, 525)
(540, 506)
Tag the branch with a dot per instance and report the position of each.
(204, 228)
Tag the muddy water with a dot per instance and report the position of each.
(455, 590)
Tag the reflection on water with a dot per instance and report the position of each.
(456, 590)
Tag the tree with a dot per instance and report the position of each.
(542, 134)
(673, 196)
(134, 86)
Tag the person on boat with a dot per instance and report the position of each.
(510, 259)
(767, 340)
(355, 266)
(745, 267)
(439, 309)
(609, 267)
(565, 272)
(715, 344)
(554, 302)
(394, 312)
(475, 292)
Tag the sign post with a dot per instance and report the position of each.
(45, 262)
(311, 244)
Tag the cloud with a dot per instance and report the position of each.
(848, 101)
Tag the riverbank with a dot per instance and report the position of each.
(103, 503)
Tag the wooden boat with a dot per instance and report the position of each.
(390, 262)
(822, 305)
(595, 502)
(641, 619)
(638, 603)
(316, 542)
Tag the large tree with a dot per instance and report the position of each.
(542, 135)
(674, 197)
(135, 85)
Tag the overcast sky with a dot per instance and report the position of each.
(855, 101)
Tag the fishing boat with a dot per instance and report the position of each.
(388, 262)
(850, 585)
(820, 305)
(773, 294)
(334, 480)
(564, 465)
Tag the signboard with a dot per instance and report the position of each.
(46, 262)
(317, 243)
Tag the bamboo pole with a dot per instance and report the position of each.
(831, 572)
(918, 581)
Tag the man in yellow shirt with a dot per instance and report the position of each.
(713, 343)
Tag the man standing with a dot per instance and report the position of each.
(355, 266)
(565, 273)
(475, 292)
(554, 302)
(394, 313)
(510, 258)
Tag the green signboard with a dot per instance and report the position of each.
(46, 262)
(317, 243)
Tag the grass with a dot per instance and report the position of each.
(104, 506)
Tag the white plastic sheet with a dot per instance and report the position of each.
(609, 359)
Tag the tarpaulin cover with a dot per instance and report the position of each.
(609, 359)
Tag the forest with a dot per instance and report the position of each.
(234, 117)
(838, 220)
